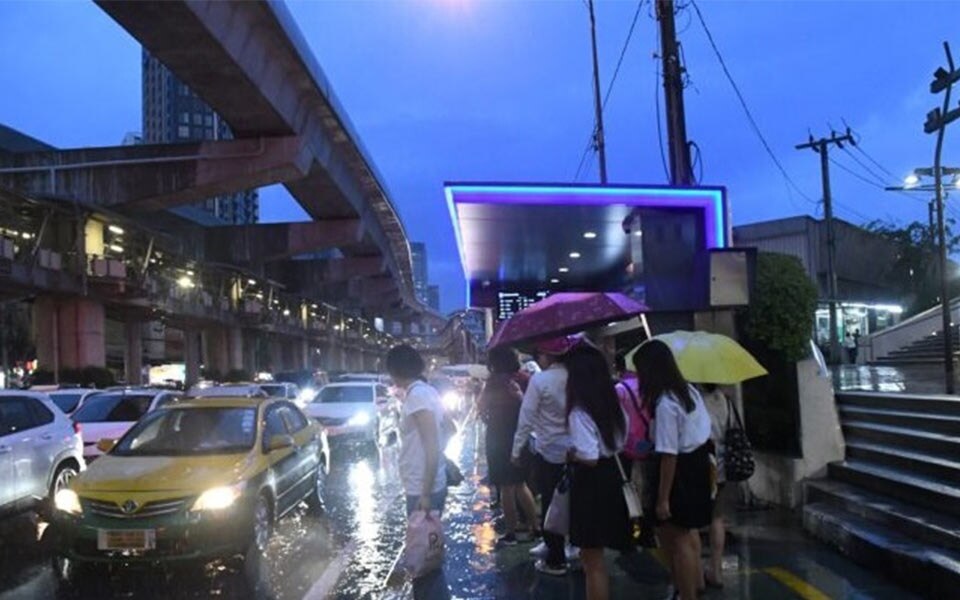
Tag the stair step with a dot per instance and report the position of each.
(932, 572)
(931, 493)
(933, 527)
(920, 403)
(923, 421)
(939, 444)
(920, 463)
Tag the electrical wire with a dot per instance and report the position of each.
(872, 173)
(746, 108)
(623, 53)
(867, 181)
(613, 80)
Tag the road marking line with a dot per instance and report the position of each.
(797, 585)
(328, 580)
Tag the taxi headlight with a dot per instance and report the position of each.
(306, 395)
(218, 498)
(451, 400)
(68, 502)
(359, 420)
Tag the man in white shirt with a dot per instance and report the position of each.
(543, 415)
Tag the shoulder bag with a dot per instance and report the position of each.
(737, 455)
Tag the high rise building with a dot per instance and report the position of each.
(433, 297)
(418, 254)
(173, 113)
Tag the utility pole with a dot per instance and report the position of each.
(598, 140)
(821, 147)
(937, 121)
(681, 172)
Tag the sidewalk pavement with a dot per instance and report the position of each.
(769, 557)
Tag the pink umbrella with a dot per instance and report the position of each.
(564, 313)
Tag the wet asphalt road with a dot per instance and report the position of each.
(346, 553)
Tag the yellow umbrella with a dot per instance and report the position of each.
(708, 357)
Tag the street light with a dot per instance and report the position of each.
(911, 180)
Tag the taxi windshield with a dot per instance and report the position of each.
(191, 431)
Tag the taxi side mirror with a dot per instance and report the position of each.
(279, 442)
(105, 445)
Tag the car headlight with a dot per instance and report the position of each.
(306, 395)
(218, 498)
(68, 502)
(359, 420)
(451, 400)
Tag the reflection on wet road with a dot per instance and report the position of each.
(345, 553)
(348, 553)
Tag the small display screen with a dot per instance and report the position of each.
(510, 303)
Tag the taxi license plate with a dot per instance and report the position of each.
(126, 539)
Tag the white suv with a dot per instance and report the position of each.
(40, 451)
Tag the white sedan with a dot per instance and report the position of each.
(366, 411)
(110, 414)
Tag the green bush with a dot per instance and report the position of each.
(782, 311)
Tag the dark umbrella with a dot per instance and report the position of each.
(564, 313)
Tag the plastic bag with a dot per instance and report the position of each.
(557, 519)
(423, 549)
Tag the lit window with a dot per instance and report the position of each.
(183, 131)
(185, 118)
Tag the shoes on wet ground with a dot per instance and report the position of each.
(539, 550)
(547, 569)
(507, 540)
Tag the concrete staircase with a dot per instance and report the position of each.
(927, 350)
(894, 504)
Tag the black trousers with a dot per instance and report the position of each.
(548, 475)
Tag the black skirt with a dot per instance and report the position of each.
(691, 499)
(501, 470)
(598, 512)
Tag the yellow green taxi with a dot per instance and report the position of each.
(199, 479)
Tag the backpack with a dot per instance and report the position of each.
(638, 446)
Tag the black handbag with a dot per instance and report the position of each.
(737, 456)
(454, 474)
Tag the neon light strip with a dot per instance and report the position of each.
(711, 200)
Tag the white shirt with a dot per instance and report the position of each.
(413, 456)
(677, 431)
(544, 414)
(586, 440)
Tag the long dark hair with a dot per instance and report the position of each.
(590, 388)
(659, 374)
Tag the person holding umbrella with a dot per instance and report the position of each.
(684, 480)
(543, 414)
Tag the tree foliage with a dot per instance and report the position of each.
(916, 271)
(781, 313)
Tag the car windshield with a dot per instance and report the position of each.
(66, 401)
(191, 431)
(344, 394)
(113, 407)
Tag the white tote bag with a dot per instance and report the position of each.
(557, 519)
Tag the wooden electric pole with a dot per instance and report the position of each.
(821, 147)
(680, 169)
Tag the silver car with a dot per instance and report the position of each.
(40, 451)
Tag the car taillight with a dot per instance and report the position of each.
(77, 428)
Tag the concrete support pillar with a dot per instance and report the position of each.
(276, 355)
(235, 348)
(69, 333)
(250, 352)
(216, 350)
(305, 358)
(133, 352)
(191, 356)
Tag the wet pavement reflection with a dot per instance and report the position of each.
(910, 379)
(349, 553)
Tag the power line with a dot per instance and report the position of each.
(857, 175)
(746, 109)
(613, 80)
(872, 173)
(623, 53)
(876, 163)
